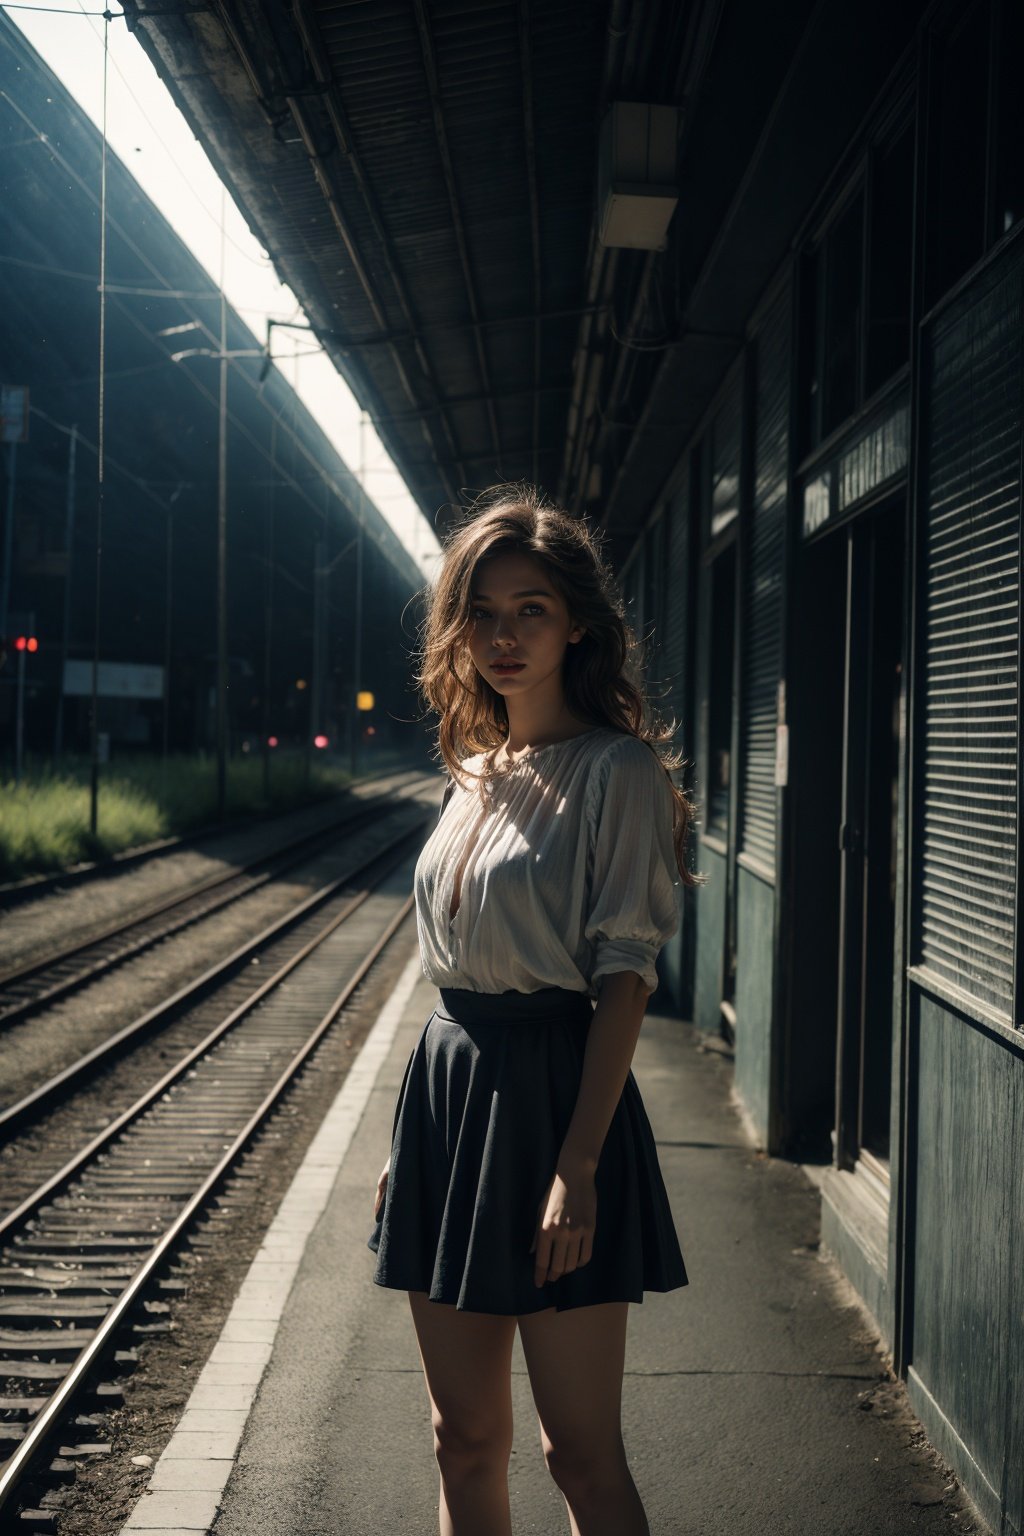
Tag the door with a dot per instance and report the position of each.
(867, 838)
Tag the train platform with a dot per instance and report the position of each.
(755, 1399)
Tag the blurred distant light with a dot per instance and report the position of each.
(320, 741)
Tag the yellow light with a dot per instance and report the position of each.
(300, 683)
(364, 700)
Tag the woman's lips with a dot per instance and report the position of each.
(507, 666)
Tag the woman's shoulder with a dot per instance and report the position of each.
(625, 752)
(627, 764)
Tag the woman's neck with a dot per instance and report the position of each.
(542, 734)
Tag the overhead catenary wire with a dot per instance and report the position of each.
(145, 486)
(131, 289)
(215, 219)
(352, 504)
(108, 16)
(60, 10)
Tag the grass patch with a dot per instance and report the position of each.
(44, 819)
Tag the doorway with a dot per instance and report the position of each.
(867, 839)
(844, 762)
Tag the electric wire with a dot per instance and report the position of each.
(60, 10)
(257, 261)
(352, 504)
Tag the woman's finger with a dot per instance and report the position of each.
(542, 1260)
(563, 1249)
(567, 1257)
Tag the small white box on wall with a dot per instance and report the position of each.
(636, 181)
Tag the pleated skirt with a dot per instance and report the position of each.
(485, 1102)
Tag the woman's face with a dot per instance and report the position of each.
(517, 616)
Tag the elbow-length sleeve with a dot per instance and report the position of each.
(632, 871)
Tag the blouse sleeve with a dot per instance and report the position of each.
(631, 899)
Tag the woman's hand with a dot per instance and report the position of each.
(567, 1218)
(382, 1184)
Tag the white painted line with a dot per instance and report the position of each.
(213, 1419)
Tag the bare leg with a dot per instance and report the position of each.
(576, 1359)
(467, 1364)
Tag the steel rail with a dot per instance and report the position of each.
(61, 1082)
(47, 1420)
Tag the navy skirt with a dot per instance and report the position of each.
(482, 1112)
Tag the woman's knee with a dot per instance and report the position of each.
(586, 1469)
(466, 1447)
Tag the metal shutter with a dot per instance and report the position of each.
(725, 458)
(762, 616)
(968, 674)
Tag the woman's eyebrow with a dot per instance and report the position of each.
(533, 592)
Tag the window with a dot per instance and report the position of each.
(956, 222)
(889, 260)
(856, 279)
(724, 459)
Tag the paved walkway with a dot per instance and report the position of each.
(745, 1392)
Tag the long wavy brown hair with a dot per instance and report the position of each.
(601, 673)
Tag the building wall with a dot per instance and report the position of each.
(855, 521)
(964, 1350)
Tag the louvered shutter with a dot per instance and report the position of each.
(967, 676)
(762, 625)
(725, 458)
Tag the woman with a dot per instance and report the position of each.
(523, 1187)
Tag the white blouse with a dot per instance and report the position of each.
(570, 871)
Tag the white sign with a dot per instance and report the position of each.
(115, 680)
(781, 756)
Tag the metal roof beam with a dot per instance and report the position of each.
(385, 338)
(313, 44)
(458, 222)
(454, 401)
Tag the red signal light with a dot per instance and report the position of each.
(26, 643)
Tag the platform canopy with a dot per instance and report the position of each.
(424, 174)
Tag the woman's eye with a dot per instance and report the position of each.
(481, 613)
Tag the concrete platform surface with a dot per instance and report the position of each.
(754, 1400)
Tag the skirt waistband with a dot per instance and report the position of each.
(546, 1005)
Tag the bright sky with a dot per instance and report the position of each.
(147, 131)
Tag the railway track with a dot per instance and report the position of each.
(85, 1254)
(63, 970)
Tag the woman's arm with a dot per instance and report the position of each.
(611, 1042)
(567, 1218)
